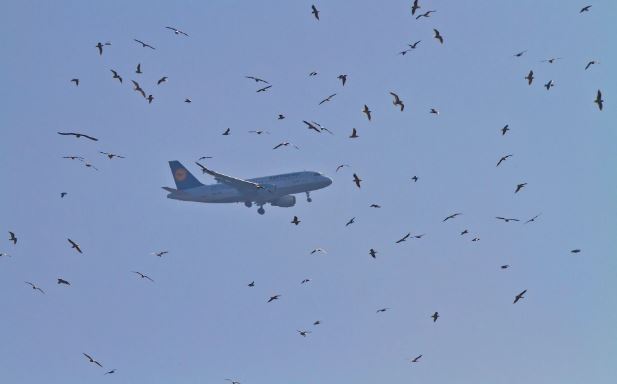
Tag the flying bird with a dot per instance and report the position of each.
(35, 287)
(260, 132)
(343, 79)
(414, 7)
(381, 310)
(74, 158)
(160, 253)
(137, 88)
(404, 238)
(315, 12)
(313, 73)
(435, 316)
(504, 158)
(367, 112)
(529, 77)
(161, 80)
(341, 166)
(62, 194)
(589, 64)
(373, 253)
(12, 238)
(437, 34)
(116, 76)
(78, 135)
(111, 155)
(575, 251)
(100, 45)
(415, 360)
(351, 221)
(316, 322)
(505, 129)
(272, 298)
(551, 60)
(144, 45)
(533, 218)
(109, 372)
(303, 333)
(464, 232)
(295, 220)
(585, 9)
(413, 46)
(76, 81)
(138, 69)
(425, 14)
(521, 53)
(304, 281)
(280, 117)
(434, 111)
(404, 52)
(187, 100)
(549, 85)
(507, 220)
(519, 187)
(599, 100)
(452, 216)
(264, 88)
(75, 245)
(150, 98)
(90, 359)
(143, 276)
(177, 31)
(257, 79)
(62, 281)
(356, 180)
(397, 101)
(285, 144)
(375, 206)
(354, 134)
(312, 126)
(415, 179)
(505, 266)
(327, 98)
(519, 296)
(320, 250)
(251, 284)
(475, 239)
(227, 131)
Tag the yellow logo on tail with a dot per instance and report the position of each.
(180, 174)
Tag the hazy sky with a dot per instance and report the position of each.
(199, 322)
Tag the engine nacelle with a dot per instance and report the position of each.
(284, 201)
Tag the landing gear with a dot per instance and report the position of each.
(248, 204)
(261, 210)
(308, 197)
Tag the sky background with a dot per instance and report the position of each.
(199, 322)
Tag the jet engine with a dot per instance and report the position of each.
(284, 201)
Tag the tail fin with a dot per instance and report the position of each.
(183, 178)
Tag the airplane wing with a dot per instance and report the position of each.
(239, 184)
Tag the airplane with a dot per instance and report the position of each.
(276, 190)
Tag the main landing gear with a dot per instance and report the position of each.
(261, 210)
(308, 197)
(248, 204)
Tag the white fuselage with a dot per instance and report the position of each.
(273, 188)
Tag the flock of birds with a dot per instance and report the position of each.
(264, 86)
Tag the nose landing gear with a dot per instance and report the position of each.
(261, 210)
(308, 197)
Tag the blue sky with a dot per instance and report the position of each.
(199, 322)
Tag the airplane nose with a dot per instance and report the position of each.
(328, 180)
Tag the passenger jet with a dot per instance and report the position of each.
(277, 190)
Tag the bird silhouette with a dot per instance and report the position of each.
(437, 34)
(143, 276)
(529, 77)
(177, 31)
(357, 180)
(599, 100)
(62, 281)
(144, 45)
(295, 220)
(435, 316)
(76, 81)
(34, 287)
(519, 296)
(354, 134)
(519, 187)
(452, 216)
(397, 101)
(115, 75)
(75, 245)
(90, 359)
(12, 238)
(78, 135)
(367, 112)
(272, 298)
(503, 158)
(373, 253)
(138, 69)
(342, 78)
(414, 7)
(315, 12)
